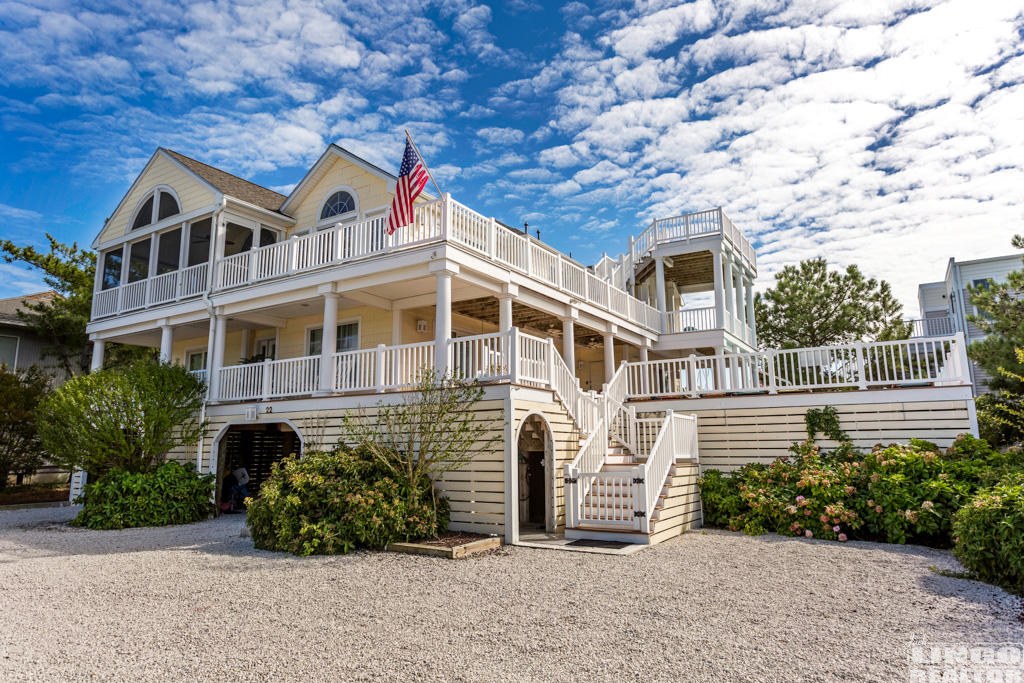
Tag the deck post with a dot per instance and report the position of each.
(512, 339)
(773, 380)
(217, 359)
(267, 379)
(443, 319)
(569, 342)
(659, 283)
(378, 368)
(166, 342)
(328, 342)
(98, 347)
(858, 349)
(719, 290)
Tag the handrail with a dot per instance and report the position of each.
(862, 365)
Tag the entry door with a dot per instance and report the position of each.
(535, 485)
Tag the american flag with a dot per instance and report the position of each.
(412, 178)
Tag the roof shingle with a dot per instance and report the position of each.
(231, 185)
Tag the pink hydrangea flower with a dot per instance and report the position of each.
(835, 528)
(824, 519)
(842, 538)
(809, 534)
(799, 498)
(807, 512)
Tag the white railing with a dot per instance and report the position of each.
(677, 438)
(935, 360)
(406, 365)
(932, 327)
(690, 226)
(199, 374)
(159, 289)
(690, 320)
(241, 382)
(291, 376)
(357, 370)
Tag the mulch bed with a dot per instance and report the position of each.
(450, 539)
(32, 494)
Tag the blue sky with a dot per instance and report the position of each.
(888, 133)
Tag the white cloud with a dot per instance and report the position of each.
(13, 213)
(501, 136)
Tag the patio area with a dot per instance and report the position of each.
(198, 601)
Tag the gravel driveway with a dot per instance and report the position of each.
(198, 601)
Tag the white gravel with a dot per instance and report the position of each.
(198, 602)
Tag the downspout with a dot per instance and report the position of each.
(213, 318)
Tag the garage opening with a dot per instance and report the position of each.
(245, 456)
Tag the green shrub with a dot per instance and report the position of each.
(989, 533)
(170, 494)
(902, 493)
(332, 503)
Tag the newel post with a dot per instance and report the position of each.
(551, 362)
(862, 380)
(446, 215)
(771, 358)
(671, 434)
(378, 368)
(267, 380)
(512, 339)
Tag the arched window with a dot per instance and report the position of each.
(340, 203)
(159, 204)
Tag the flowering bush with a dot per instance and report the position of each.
(332, 503)
(989, 533)
(902, 493)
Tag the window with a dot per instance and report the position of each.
(237, 238)
(168, 252)
(195, 360)
(8, 351)
(348, 338)
(112, 269)
(338, 204)
(138, 261)
(266, 348)
(158, 205)
(199, 242)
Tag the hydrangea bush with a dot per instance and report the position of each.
(989, 533)
(902, 493)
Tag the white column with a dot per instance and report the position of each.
(730, 294)
(243, 348)
(328, 342)
(569, 343)
(166, 343)
(443, 322)
(217, 362)
(396, 326)
(97, 355)
(719, 290)
(609, 356)
(750, 312)
(659, 283)
(504, 312)
(643, 353)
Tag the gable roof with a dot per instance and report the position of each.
(332, 152)
(229, 184)
(9, 307)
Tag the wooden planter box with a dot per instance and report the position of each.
(452, 553)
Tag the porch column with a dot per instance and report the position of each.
(166, 343)
(569, 343)
(505, 308)
(328, 341)
(396, 326)
(97, 355)
(730, 293)
(609, 356)
(659, 283)
(443, 321)
(750, 312)
(219, 332)
(643, 351)
(719, 290)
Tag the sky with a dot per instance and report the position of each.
(886, 133)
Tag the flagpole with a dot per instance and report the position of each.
(424, 162)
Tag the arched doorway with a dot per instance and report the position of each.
(536, 474)
(254, 448)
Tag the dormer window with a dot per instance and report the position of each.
(156, 206)
(340, 203)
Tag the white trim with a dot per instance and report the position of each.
(511, 477)
(156, 227)
(358, 319)
(17, 348)
(155, 209)
(339, 217)
(186, 352)
(271, 419)
(550, 509)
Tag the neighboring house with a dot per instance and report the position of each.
(946, 305)
(592, 374)
(20, 348)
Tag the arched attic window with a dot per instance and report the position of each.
(159, 204)
(339, 203)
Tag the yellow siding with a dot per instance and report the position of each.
(192, 193)
(371, 192)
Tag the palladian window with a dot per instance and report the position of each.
(158, 205)
(338, 204)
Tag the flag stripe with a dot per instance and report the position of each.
(412, 178)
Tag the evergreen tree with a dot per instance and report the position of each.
(1001, 317)
(811, 305)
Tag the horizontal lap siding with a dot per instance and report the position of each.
(566, 443)
(734, 437)
(476, 492)
(681, 506)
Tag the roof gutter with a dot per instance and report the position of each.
(211, 311)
